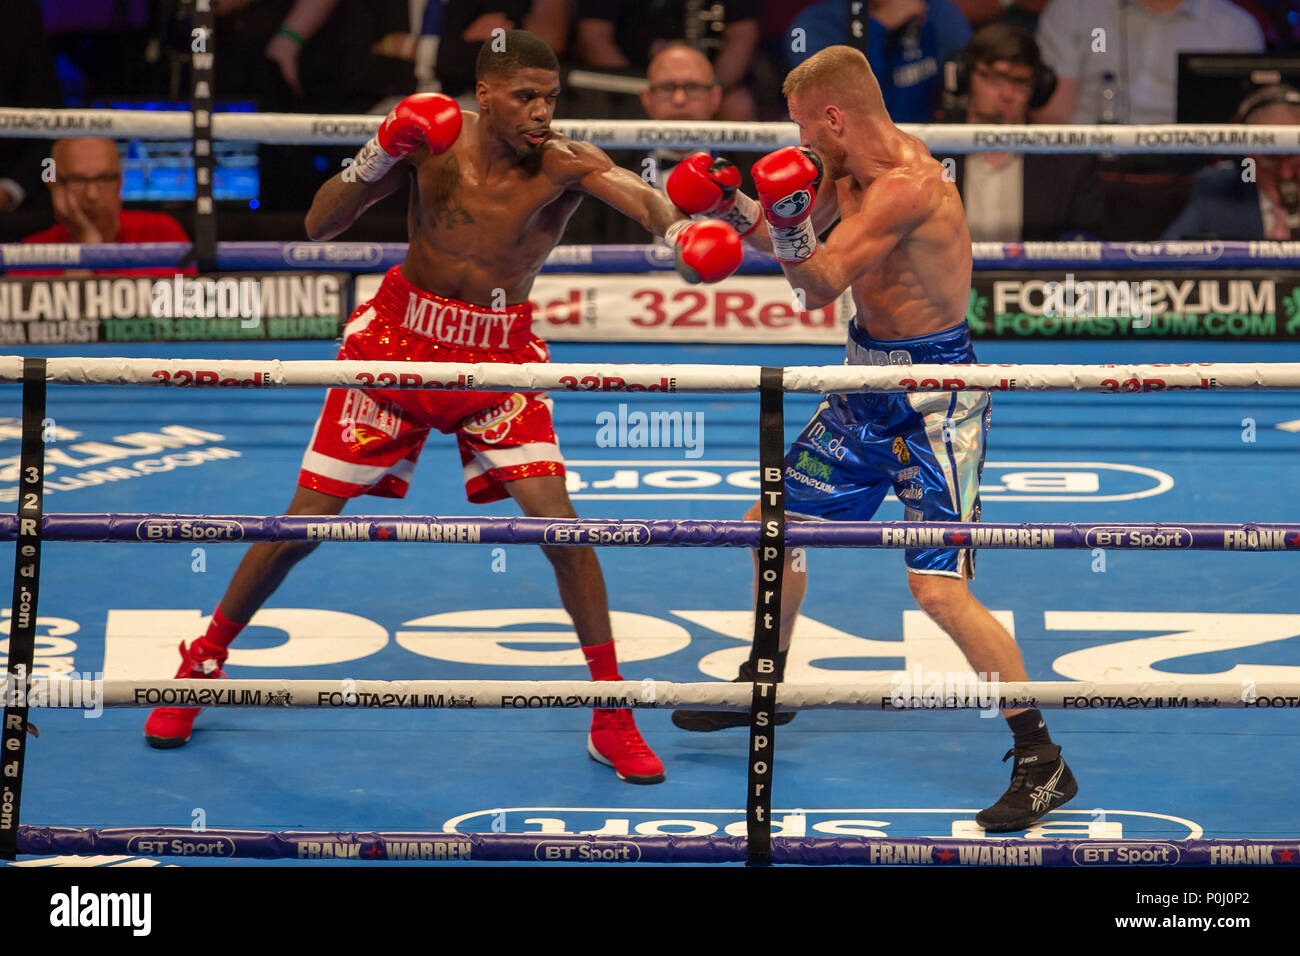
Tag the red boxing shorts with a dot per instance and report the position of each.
(366, 441)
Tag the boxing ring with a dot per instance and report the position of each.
(1141, 442)
(1245, 693)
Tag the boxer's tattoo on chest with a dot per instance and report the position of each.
(444, 197)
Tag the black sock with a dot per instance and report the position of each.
(1029, 729)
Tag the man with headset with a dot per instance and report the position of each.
(1012, 197)
(1227, 204)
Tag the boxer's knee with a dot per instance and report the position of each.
(567, 556)
(295, 551)
(938, 595)
(282, 555)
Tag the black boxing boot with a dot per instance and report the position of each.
(1040, 781)
(707, 721)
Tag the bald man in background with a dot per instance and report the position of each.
(87, 195)
(680, 86)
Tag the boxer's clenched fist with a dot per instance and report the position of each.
(703, 186)
(706, 251)
(787, 182)
(428, 120)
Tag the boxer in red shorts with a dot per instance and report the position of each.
(367, 441)
(491, 194)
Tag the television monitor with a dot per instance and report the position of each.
(163, 170)
(1212, 85)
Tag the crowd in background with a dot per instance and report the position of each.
(1007, 62)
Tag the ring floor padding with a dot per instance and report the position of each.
(366, 611)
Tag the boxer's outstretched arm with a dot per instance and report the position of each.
(893, 206)
(339, 202)
(587, 168)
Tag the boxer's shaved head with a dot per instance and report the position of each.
(839, 75)
(518, 86)
(514, 50)
(833, 95)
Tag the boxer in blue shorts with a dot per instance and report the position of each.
(927, 446)
(903, 250)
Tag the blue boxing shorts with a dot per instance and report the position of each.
(927, 446)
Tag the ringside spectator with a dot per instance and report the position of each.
(1014, 197)
(1259, 199)
(680, 85)
(87, 196)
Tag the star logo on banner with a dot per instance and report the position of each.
(383, 532)
(372, 851)
(1294, 540)
(946, 855)
(958, 537)
(1286, 856)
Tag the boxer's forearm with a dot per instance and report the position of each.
(661, 213)
(647, 206)
(759, 238)
(817, 281)
(597, 176)
(336, 206)
(343, 198)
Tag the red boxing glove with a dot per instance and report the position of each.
(706, 251)
(787, 182)
(424, 119)
(703, 186)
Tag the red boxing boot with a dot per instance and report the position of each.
(615, 741)
(169, 727)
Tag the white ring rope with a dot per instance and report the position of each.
(285, 129)
(929, 692)
(561, 376)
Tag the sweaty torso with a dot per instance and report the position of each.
(923, 284)
(478, 233)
